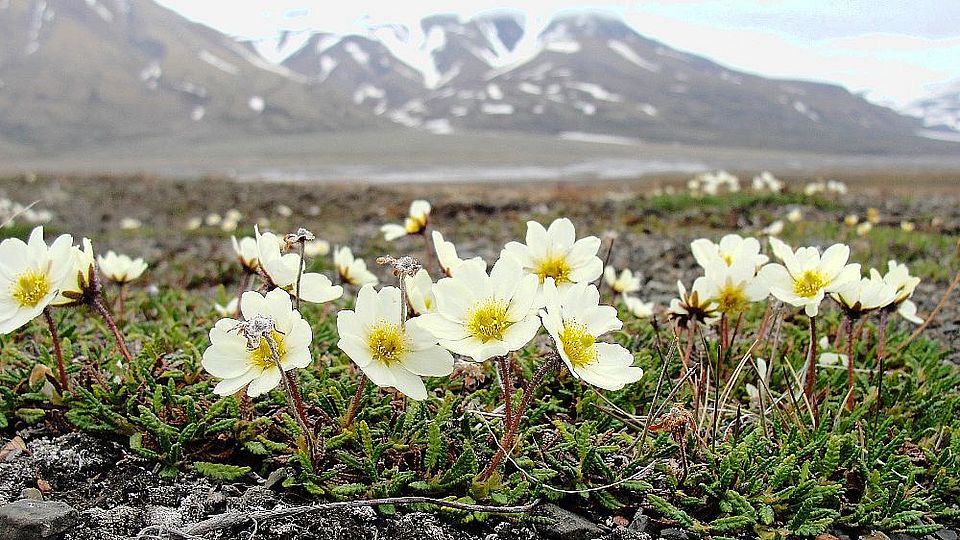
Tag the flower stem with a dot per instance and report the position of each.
(296, 298)
(294, 401)
(512, 425)
(121, 300)
(108, 319)
(355, 403)
(811, 377)
(504, 364)
(57, 351)
(851, 349)
(881, 363)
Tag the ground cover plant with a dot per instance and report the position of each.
(536, 374)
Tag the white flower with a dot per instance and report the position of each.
(805, 276)
(415, 223)
(213, 219)
(733, 287)
(556, 253)
(898, 276)
(732, 248)
(575, 319)
(316, 248)
(31, 276)
(446, 254)
(79, 281)
(637, 307)
(694, 306)
(420, 293)
(284, 210)
(390, 353)
(248, 254)
(864, 228)
(352, 271)
(232, 358)
(625, 283)
(121, 268)
(864, 295)
(483, 316)
(282, 269)
(795, 215)
(774, 228)
(227, 310)
(828, 357)
(129, 224)
(767, 181)
(193, 224)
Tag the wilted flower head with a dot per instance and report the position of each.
(805, 276)
(391, 352)
(284, 269)
(351, 270)
(420, 293)
(625, 283)
(898, 277)
(300, 235)
(575, 319)
(82, 280)
(556, 253)
(31, 276)
(246, 353)
(695, 306)
(731, 249)
(861, 296)
(248, 254)
(415, 223)
(121, 268)
(482, 316)
(733, 287)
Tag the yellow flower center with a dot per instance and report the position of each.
(387, 343)
(727, 258)
(488, 321)
(555, 267)
(415, 224)
(30, 288)
(578, 344)
(809, 284)
(262, 356)
(731, 299)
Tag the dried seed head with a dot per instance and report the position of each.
(404, 266)
(255, 329)
(302, 235)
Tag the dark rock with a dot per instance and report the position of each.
(626, 534)
(35, 520)
(946, 534)
(566, 525)
(640, 522)
(419, 526)
(673, 534)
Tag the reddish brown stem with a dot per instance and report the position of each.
(108, 319)
(848, 328)
(511, 426)
(355, 404)
(57, 351)
(504, 364)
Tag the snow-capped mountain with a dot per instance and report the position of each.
(75, 73)
(940, 111)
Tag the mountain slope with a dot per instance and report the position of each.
(77, 72)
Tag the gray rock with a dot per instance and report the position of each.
(35, 520)
(640, 522)
(674, 534)
(566, 525)
(33, 494)
(626, 534)
(946, 534)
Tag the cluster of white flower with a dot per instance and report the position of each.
(714, 183)
(11, 212)
(834, 187)
(766, 181)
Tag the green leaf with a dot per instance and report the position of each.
(220, 472)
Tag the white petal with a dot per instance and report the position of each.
(433, 362)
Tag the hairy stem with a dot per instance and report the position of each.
(355, 403)
(851, 349)
(294, 401)
(504, 364)
(811, 376)
(57, 351)
(511, 426)
(112, 325)
(296, 299)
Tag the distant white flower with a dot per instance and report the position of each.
(31, 275)
(129, 224)
(836, 186)
(851, 220)
(774, 228)
(625, 283)
(556, 253)
(283, 269)
(78, 283)
(228, 225)
(694, 306)
(284, 211)
(352, 271)
(829, 357)
(766, 181)
(637, 307)
(420, 293)
(415, 223)
(316, 248)
(241, 362)
(575, 319)
(813, 188)
(483, 316)
(733, 287)
(193, 224)
(227, 310)
(732, 248)
(795, 215)
(248, 254)
(213, 219)
(446, 254)
(864, 228)
(864, 295)
(908, 226)
(805, 276)
(121, 268)
(390, 353)
(898, 276)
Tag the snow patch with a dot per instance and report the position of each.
(404, 115)
(803, 109)
(37, 18)
(731, 78)
(218, 62)
(631, 56)
(596, 91)
(648, 109)
(100, 10)
(359, 55)
(283, 46)
(365, 91)
(588, 109)
(256, 104)
(198, 113)
(458, 111)
(563, 46)
(151, 74)
(496, 108)
(938, 135)
(254, 59)
(494, 92)
(600, 138)
(439, 126)
(528, 88)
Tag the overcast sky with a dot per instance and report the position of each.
(892, 50)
